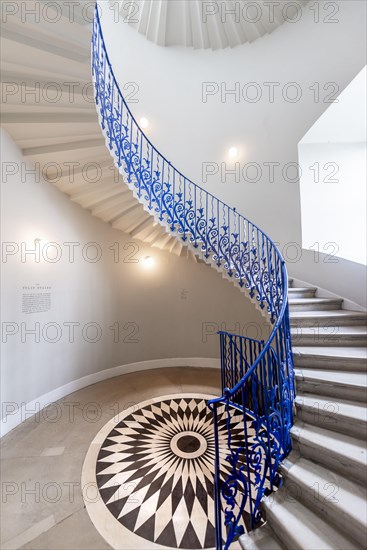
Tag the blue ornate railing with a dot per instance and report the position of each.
(257, 376)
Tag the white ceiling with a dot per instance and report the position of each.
(204, 24)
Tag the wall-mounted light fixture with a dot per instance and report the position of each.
(148, 262)
(144, 122)
(233, 152)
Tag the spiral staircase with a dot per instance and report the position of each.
(311, 497)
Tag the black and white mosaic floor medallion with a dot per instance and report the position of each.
(148, 475)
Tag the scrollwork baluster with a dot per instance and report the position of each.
(183, 212)
(173, 224)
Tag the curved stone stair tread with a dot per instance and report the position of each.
(330, 357)
(340, 415)
(353, 379)
(326, 336)
(297, 527)
(350, 385)
(302, 292)
(341, 501)
(309, 304)
(339, 317)
(262, 538)
(345, 454)
(360, 330)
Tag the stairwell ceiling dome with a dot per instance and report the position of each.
(205, 24)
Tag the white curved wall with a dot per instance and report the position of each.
(174, 310)
(338, 142)
(319, 55)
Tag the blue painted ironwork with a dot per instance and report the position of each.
(257, 376)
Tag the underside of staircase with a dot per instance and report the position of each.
(48, 109)
(322, 502)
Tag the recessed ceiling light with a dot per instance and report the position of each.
(233, 152)
(144, 122)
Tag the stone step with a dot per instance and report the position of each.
(345, 385)
(336, 318)
(300, 292)
(333, 358)
(345, 454)
(338, 415)
(314, 304)
(262, 538)
(300, 528)
(337, 500)
(329, 336)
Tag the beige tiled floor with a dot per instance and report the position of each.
(41, 460)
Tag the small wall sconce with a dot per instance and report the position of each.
(148, 262)
(233, 152)
(144, 122)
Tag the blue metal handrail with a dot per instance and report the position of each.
(257, 376)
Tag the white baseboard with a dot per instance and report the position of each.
(22, 411)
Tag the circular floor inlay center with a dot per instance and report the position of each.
(188, 444)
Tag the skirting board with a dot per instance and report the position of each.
(22, 411)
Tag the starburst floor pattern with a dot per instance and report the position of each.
(153, 472)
